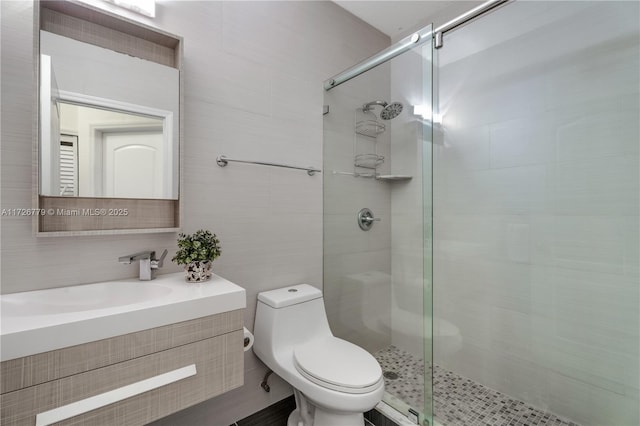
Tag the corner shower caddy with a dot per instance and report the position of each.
(366, 124)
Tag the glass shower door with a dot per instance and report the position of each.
(377, 277)
(536, 196)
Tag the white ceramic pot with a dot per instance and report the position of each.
(197, 272)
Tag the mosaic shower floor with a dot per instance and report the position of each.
(458, 401)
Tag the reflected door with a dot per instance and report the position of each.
(133, 164)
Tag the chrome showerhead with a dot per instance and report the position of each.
(389, 111)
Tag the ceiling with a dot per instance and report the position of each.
(395, 18)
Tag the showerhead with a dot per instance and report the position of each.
(389, 110)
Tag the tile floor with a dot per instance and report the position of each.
(458, 401)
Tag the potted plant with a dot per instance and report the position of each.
(197, 252)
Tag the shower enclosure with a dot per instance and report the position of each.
(519, 140)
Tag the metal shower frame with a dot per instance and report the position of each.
(416, 39)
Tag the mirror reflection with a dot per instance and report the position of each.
(108, 123)
(103, 152)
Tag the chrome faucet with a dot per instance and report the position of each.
(148, 263)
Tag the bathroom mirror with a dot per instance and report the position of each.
(109, 120)
(109, 123)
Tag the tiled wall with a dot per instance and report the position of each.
(536, 190)
(253, 89)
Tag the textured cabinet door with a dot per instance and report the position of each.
(47, 366)
(219, 364)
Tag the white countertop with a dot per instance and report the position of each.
(39, 321)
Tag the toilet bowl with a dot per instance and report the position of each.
(334, 380)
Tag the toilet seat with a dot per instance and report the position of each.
(336, 364)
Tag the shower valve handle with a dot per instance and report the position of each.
(371, 219)
(366, 219)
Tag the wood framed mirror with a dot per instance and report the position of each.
(110, 124)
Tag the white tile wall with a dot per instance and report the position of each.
(253, 75)
(536, 198)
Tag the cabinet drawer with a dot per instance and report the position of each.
(218, 365)
(44, 367)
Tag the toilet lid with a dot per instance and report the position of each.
(337, 364)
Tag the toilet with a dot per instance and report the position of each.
(334, 380)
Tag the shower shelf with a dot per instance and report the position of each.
(368, 161)
(370, 128)
(384, 178)
(394, 178)
(354, 174)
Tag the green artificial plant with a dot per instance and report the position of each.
(200, 246)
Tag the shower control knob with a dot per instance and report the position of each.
(366, 219)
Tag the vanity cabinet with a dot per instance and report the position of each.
(131, 379)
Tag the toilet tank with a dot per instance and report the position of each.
(287, 317)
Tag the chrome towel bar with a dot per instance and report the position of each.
(223, 160)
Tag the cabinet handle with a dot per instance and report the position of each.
(64, 412)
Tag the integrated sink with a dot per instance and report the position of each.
(81, 298)
(39, 321)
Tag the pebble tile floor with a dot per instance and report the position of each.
(458, 401)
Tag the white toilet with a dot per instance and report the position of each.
(334, 381)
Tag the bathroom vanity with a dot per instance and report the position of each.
(121, 352)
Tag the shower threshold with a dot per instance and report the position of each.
(395, 416)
